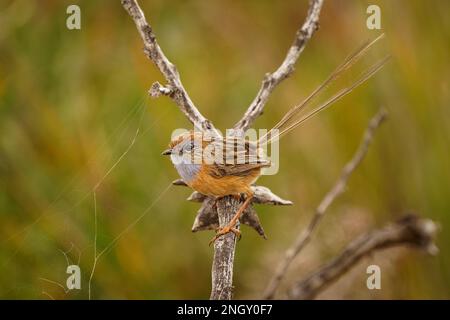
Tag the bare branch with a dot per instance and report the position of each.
(303, 239)
(224, 248)
(207, 217)
(197, 197)
(156, 90)
(261, 195)
(250, 218)
(410, 230)
(271, 80)
(175, 88)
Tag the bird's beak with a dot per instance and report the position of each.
(167, 152)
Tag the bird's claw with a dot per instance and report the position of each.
(224, 231)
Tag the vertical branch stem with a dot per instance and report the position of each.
(224, 248)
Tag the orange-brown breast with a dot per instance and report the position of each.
(227, 185)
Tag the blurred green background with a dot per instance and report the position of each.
(72, 100)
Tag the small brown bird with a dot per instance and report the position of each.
(219, 167)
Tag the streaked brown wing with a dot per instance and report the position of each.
(238, 158)
(219, 171)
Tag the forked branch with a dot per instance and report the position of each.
(224, 248)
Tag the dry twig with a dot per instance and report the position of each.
(409, 230)
(304, 237)
(175, 88)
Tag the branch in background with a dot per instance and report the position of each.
(174, 89)
(271, 80)
(409, 230)
(304, 237)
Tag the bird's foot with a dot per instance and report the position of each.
(237, 196)
(224, 231)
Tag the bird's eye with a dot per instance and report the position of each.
(190, 146)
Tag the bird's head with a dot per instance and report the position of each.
(185, 152)
(183, 147)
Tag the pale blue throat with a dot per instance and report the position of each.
(188, 171)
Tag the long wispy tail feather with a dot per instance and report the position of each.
(289, 121)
